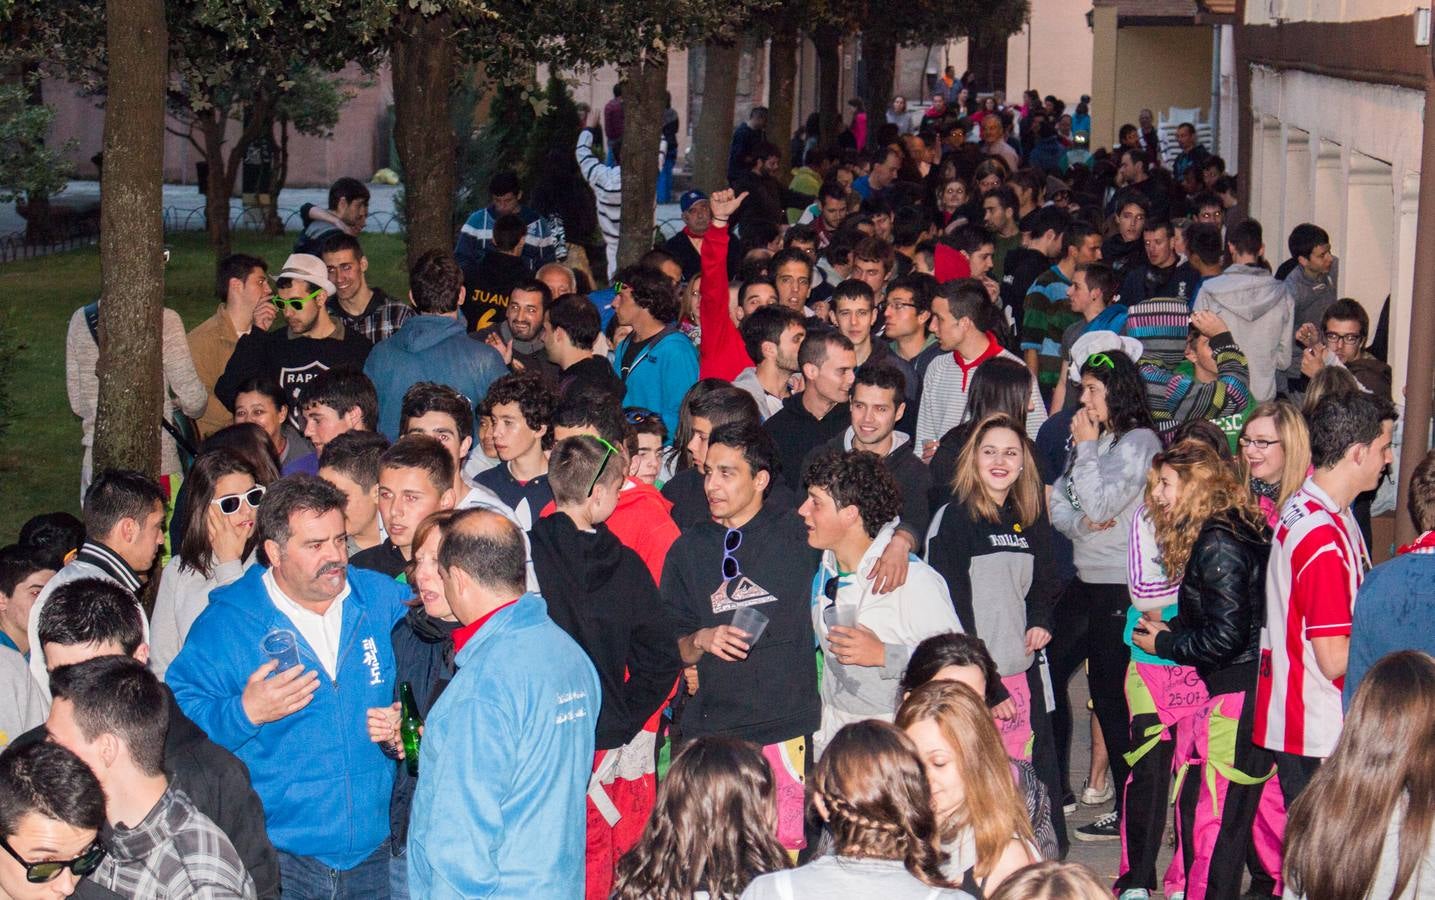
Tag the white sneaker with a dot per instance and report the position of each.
(1135, 894)
(1092, 797)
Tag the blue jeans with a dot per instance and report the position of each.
(665, 181)
(305, 878)
(399, 875)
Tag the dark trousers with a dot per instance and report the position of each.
(1143, 815)
(1295, 772)
(1088, 625)
(1043, 754)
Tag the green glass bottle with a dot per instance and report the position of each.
(409, 723)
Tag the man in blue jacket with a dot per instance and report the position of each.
(508, 748)
(656, 362)
(431, 346)
(302, 728)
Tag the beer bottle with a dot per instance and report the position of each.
(409, 722)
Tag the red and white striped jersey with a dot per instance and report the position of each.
(1318, 560)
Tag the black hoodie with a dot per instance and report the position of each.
(772, 695)
(602, 594)
(423, 656)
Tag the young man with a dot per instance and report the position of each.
(1043, 243)
(242, 286)
(336, 402)
(501, 269)
(1124, 249)
(92, 618)
(967, 253)
(51, 808)
(961, 319)
(854, 309)
(351, 463)
(312, 343)
(522, 409)
(866, 637)
(442, 413)
(432, 345)
(706, 412)
(1091, 295)
(1318, 561)
(1344, 329)
(1217, 390)
(751, 555)
(519, 336)
(329, 822)
(656, 362)
(604, 597)
(1311, 282)
(1258, 308)
(872, 260)
(999, 214)
(368, 310)
(792, 273)
(906, 322)
(347, 213)
(24, 572)
(260, 400)
(1163, 274)
(1161, 323)
(113, 713)
(1193, 154)
(828, 213)
(415, 479)
(644, 438)
(1047, 311)
(876, 183)
(514, 727)
(124, 530)
(540, 245)
(569, 330)
(817, 413)
(773, 338)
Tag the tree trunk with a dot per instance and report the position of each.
(712, 131)
(644, 84)
(423, 72)
(132, 239)
(826, 40)
(781, 88)
(216, 188)
(273, 224)
(879, 58)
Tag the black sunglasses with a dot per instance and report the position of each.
(730, 542)
(829, 590)
(635, 416)
(41, 872)
(229, 503)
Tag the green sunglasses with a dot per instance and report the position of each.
(603, 466)
(1100, 360)
(41, 872)
(295, 303)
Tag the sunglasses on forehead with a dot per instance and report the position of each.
(603, 466)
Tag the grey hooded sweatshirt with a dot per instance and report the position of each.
(1259, 310)
(1310, 298)
(1104, 483)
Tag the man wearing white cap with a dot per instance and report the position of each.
(312, 343)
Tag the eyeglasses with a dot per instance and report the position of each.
(1101, 360)
(603, 465)
(730, 542)
(295, 303)
(1258, 443)
(1351, 340)
(46, 870)
(891, 305)
(229, 503)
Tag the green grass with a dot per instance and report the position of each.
(40, 454)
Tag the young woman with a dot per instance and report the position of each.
(423, 656)
(709, 404)
(1274, 455)
(1053, 881)
(965, 660)
(222, 507)
(251, 444)
(711, 832)
(1362, 827)
(984, 826)
(870, 787)
(952, 199)
(995, 534)
(1092, 503)
(999, 386)
(1213, 541)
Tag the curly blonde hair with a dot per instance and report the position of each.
(1208, 486)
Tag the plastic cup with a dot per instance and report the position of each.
(846, 616)
(282, 645)
(750, 622)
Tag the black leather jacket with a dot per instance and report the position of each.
(1221, 607)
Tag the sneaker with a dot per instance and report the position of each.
(1068, 803)
(1179, 895)
(1135, 894)
(1092, 797)
(1106, 827)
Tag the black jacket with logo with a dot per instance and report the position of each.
(293, 361)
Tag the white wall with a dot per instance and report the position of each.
(1264, 12)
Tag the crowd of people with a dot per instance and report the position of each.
(762, 571)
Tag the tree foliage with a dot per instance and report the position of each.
(28, 166)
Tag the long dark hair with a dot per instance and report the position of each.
(253, 446)
(196, 551)
(718, 402)
(1126, 408)
(1385, 758)
(711, 828)
(952, 649)
(1000, 386)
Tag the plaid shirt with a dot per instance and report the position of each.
(175, 852)
(380, 319)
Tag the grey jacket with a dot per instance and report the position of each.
(1311, 298)
(1104, 483)
(1259, 310)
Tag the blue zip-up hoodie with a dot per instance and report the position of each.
(660, 375)
(324, 785)
(504, 765)
(430, 348)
